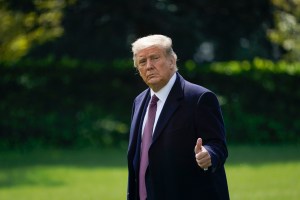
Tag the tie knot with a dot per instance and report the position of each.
(154, 99)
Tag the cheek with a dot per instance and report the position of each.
(142, 75)
(164, 72)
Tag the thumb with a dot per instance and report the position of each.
(198, 146)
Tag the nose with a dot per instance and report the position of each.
(149, 64)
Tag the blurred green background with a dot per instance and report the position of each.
(67, 84)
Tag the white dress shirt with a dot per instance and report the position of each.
(162, 94)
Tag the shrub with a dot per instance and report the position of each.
(72, 103)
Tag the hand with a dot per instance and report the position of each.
(202, 156)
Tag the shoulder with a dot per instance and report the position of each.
(142, 95)
(192, 89)
(199, 93)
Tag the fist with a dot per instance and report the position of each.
(202, 156)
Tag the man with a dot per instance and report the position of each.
(177, 146)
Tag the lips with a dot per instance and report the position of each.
(150, 76)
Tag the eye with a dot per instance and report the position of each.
(155, 58)
(142, 62)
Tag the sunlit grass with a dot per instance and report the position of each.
(270, 181)
(74, 175)
(253, 173)
(60, 182)
(264, 172)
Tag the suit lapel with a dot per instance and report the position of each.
(139, 112)
(172, 103)
(136, 128)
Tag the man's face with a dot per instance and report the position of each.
(155, 67)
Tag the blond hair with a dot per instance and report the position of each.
(153, 40)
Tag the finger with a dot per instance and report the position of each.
(202, 156)
(198, 146)
(203, 163)
(203, 159)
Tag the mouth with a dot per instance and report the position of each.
(150, 76)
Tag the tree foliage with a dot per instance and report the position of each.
(206, 30)
(286, 32)
(27, 23)
(72, 103)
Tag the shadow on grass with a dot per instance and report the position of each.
(22, 168)
(74, 158)
(16, 167)
(262, 154)
(25, 178)
(238, 154)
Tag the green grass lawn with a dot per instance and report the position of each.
(253, 172)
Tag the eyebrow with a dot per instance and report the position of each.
(149, 55)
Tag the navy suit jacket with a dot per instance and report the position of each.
(190, 112)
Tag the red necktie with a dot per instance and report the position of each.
(146, 142)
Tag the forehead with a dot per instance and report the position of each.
(152, 50)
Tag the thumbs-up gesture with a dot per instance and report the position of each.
(202, 156)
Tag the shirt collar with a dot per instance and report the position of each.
(163, 93)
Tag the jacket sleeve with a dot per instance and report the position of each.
(210, 127)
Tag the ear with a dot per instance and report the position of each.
(172, 61)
